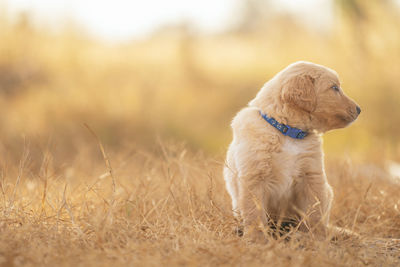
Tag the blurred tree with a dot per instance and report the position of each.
(357, 16)
(19, 67)
(253, 15)
(24, 22)
(352, 8)
(187, 45)
(354, 12)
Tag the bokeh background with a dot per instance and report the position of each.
(141, 71)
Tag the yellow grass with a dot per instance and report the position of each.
(140, 200)
(169, 207)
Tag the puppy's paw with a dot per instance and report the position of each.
(255, 236)
(341, 234)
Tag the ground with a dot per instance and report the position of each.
(168, 206)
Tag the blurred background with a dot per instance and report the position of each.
(141, 71)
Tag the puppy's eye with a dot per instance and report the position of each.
(336, 88)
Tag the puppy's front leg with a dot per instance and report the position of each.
(252, 209)
(314, 198)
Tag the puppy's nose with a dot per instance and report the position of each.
(358, 110)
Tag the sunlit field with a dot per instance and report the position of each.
(112, 153)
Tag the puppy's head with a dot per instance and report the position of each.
(315, 91)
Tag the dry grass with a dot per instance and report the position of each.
(169, 207)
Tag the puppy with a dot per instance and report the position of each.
(274, 168)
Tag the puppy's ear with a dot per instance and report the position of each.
(300, 92)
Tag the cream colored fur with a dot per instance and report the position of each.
(272, 177)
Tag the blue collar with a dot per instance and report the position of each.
(285, 129)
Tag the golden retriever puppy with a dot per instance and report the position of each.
(274, 168)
